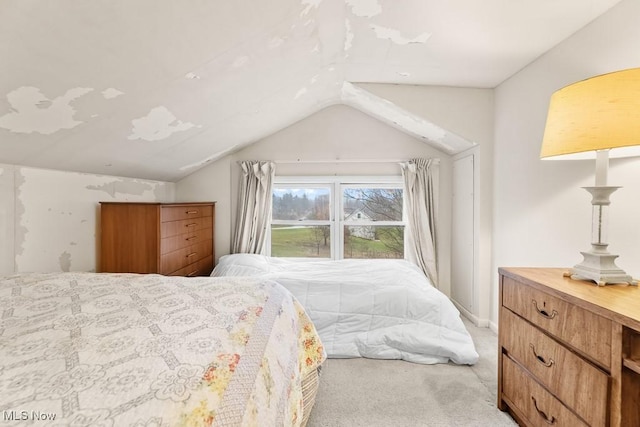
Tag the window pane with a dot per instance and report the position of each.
(298, 241)
(370, 241)
(298, 203)
(372, 204)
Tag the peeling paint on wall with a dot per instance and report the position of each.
(365, 8)
(122, 186)
(7, 220)
(309, 4)
(211, 158)
(275, 42)
(348, 38)
(111, 93)
(20, 231)
(396, 37)
(31, 111)
(159, 124)
(388, 112)
(240, 61)
(300, 92)
(192, 76)
(57, 214)
(65, 261)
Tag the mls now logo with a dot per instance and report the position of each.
(28, 416)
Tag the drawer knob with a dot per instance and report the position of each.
(544, 416)
(543, 312)
(540, 358)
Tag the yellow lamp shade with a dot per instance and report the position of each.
(598, 113)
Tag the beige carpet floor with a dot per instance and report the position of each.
(390, 393)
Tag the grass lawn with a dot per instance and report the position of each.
(303, 242)
(298, 242)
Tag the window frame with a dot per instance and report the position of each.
(336, 221)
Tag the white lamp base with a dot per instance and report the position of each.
(600, 268)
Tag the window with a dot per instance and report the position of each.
(337, 218)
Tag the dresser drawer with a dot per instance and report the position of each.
(174, 228)
(199, 268)
(533, 402)
(577, 383)
(179, 212)
(176, 260)
(180, 241)
(580, 328)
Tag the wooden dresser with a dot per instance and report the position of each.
(569, 351)
(174, 239)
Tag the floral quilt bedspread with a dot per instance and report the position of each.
(93, 349)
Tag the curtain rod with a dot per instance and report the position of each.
(299, 161)
(341, 161)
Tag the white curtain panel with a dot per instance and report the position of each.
(420, 194)
(254, 207)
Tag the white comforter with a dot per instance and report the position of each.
(384, 309)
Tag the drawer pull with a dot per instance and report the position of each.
(191, 212)
(544, 416)
(193, 273)
(193, 224)
(191, 238)
(192, 254)
(544, 313)
(540, 358)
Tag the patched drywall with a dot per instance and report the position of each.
(348, 37)
(126, 187)
(308, 5)
(365, 8)
(396, 37)
(56, 221)
(31, 111)
(111, 93)
(203, 78)
(158, 124)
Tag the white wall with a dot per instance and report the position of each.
(469, 113)
(49, 220)
(541, 215)
(336, 132)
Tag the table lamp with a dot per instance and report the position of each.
(597, 117)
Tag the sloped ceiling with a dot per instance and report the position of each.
(156, 89)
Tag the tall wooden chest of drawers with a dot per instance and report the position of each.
(569, 351)
(174, 239)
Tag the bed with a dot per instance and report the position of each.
(150, 350)
(384, 309)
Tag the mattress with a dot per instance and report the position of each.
(149, 350)
(384, 309)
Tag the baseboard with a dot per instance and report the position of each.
(481, 323)
(494, 327)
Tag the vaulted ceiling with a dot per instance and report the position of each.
(156, 88)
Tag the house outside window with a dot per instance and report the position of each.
(337, 217)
